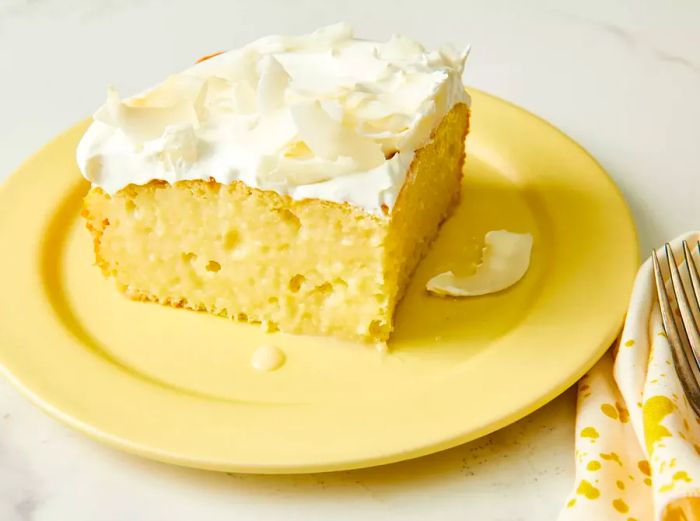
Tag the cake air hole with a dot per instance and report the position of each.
(290, 217)
(213, 266)
(340, 282)
(324, 288)
(231, 239)
(295, 282)
(130, 206)
(273, 300)
(242, 317)
(189, 256)
(375, 327)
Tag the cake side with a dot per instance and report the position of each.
(306, 266)
(431, 191)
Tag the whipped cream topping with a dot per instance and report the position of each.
(322, 116)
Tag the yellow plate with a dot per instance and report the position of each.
(177, 386)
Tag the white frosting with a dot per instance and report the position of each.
(318, 116)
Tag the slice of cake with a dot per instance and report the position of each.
(295, 182)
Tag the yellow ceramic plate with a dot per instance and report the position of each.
(177, 386)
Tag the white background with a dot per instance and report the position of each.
(622, 78)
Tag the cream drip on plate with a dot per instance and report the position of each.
(324, 116)
(267, 358)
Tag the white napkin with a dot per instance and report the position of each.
(637, 439)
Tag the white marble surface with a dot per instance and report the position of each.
(622, 78)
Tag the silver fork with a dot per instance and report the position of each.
(682, 331)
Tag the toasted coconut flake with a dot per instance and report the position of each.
(400, 48)
(506, 259)
(142, 123)
(291, 171)
(329, 139)
(272, 85)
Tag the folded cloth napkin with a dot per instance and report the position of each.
(637, 439)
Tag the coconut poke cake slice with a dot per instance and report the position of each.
(295, 182)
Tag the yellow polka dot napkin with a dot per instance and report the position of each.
(637, 439)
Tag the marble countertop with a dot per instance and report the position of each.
(622, 78)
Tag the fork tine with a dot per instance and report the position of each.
(691, 328)
(664, 304)
(690, 383)
(692, 273)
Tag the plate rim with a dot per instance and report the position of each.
(429, 447)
